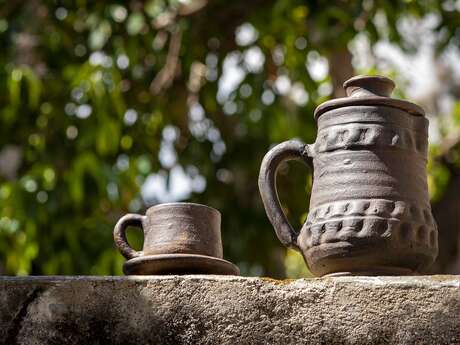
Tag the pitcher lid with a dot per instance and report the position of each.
(369, 90)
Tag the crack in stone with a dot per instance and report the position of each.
(16, 323)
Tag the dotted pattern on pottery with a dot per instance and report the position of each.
(342, 137)
(408, 225)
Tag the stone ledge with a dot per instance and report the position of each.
(229, 310)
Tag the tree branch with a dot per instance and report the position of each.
(450, 143)
(165, 76)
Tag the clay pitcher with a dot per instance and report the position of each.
(369, 209)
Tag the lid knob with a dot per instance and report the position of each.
(365, 86)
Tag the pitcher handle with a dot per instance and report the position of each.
(119, 234)
(286, 151)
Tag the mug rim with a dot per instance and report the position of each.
(179, 203)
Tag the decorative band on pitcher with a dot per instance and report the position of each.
(398, 232)
(373, 207)
(401, 222)
(365, 135)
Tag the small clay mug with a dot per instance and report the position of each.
(173, 228)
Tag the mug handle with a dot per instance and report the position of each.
(119, 234)
(286, 151)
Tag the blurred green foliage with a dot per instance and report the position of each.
(92, 93)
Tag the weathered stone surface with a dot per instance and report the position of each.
(229, 310)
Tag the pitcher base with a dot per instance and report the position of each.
(381, 271)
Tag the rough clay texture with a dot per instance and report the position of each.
(229, 310)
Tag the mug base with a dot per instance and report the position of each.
(179, 264)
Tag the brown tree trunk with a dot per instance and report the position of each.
(340, 69)
(447, 214)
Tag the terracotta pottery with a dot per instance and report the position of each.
(179, 238)
(369, 209)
